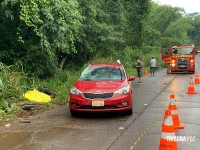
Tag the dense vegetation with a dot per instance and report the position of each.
(48, 42)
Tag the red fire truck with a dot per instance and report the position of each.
(180, 58)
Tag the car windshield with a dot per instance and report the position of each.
(182, 51)
(101, 73)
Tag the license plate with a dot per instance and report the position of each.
(182, 65)
(97, 103)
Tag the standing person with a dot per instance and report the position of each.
(139, 66)
(153, 66)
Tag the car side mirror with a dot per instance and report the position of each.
(131, 78)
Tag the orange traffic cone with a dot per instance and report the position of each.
(146, 72)
(167, 141)
(191, 89)
(197, 81)
(190, 79)
(174, 112)
(167, 113)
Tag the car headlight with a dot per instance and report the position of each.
(75, 91)
(123, 90)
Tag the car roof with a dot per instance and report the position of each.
(107, 64)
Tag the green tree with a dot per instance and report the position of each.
(73, 30)
(166, 26)
(136, 12)
(48, 26)
(194, 33)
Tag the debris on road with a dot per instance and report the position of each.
(37, 96)
(47, 91)
(28, 106)
(8, 125)
(25, 120)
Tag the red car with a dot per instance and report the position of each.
(102, 88)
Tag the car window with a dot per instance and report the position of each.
(101, 73)
(166, 52)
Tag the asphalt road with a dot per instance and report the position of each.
(57, 130)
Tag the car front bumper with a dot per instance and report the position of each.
(116, 103)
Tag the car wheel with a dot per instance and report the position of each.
(73, 113)
(129, 112)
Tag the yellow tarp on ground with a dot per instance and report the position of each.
(37, 96)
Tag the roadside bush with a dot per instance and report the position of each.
(40, 64)
(3, 105)
(151, 51)
(61, 83)
(15, 83)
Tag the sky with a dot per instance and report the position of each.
(190, 6)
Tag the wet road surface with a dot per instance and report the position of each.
(58, 130)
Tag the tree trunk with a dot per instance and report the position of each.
(62, 62)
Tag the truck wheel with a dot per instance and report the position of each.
(169, 71)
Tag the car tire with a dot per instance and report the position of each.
(129, 112)
(73, 113)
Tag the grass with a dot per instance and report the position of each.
(62, 84)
